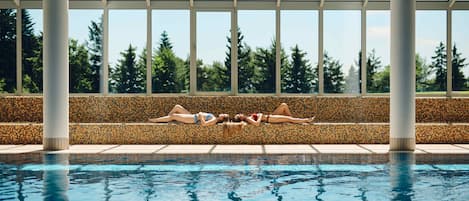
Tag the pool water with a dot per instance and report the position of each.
(397, 176)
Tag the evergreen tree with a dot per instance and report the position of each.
(245, 64)
(381, 80)
(352, 84)
(126, 76)
(7, 47)
(373, 64)
(95, 50)
(333, 76)
(32, 55)
(80, 71)
(142, 66)
(438, 66)
(164, 67)
(458, 64)
(299, 76)
(264, 61)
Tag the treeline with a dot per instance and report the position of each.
(170, 73)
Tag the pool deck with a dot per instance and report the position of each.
(238, 149)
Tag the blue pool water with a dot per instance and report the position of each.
(397, 176)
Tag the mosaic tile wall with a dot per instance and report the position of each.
(319, 133)
(90, 109)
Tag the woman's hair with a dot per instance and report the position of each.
(238, 118)
(223, 117)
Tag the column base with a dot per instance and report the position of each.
(402, 144)
(54, 144)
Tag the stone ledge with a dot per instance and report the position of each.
(108, 109)
(318, 133)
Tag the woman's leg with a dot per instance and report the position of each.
(288, 119)
(164, 119)
(282, 109)
(178, 109)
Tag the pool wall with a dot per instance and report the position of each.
(121, 120)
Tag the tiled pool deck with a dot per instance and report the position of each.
(238, 149)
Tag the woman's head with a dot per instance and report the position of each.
(223, 117)
(239, 118)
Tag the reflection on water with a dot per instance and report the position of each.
(400, 176)
(55, 179)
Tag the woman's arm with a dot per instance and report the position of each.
(210, 122)
(251, 121)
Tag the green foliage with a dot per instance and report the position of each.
(373, 65)
(95, 51)
(80, 71)
(438, 67)
(246, 74)
(7, 49)
(127, 76)
(298, 76)
(32, 56)
(264, 62)
(333, 76)
(422, 73)
(458, 63)
(381, 80)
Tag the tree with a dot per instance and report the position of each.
(352, 84)
(264, 62)
(126, 76)
(95, 50)
(381, 80)
(457, 63)
(333, 76)
(422, 74)
(80, 71)
(298, 76)
(373, 64)
(246, 75)
(32, 55)
(438, 67)
(7, 47)
(165, 65)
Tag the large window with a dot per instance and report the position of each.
(256, 51)
(460, 51)
(85, 50)
(127, 52)
(32, 50)
(431, 51)
(378, 44)
(299, 34)
(8, 50)
(213, 62)
(170, 60)
(342, 51)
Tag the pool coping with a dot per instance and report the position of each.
(236, 149)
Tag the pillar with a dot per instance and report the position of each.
(402, 113)
(55, 75)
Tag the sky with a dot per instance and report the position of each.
(341, 31)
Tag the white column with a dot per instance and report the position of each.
(402, 116)
(55, 74)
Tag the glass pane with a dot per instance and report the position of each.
(213, 74)
(170, 60)
(127, 51)
(85, 50)
(431, 51)
(299, 34)
(32, 50)
(8, 50)
(256, 52)
(460, 62)
(342, 36)
(378, 44)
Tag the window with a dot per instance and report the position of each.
(8, 50)
(170, 60)
(213, 74)
(127, 52)
(85, 50)
(378, 44)
(460, 51)
(431, 51)
(342, 36)
(257, 51)
(299, 33)
(32, 50)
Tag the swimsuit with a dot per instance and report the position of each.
(207, 117)
(254, 116)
